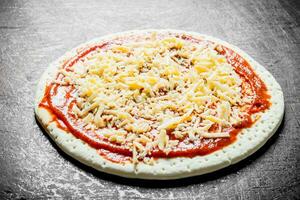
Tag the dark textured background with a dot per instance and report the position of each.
(34, 33)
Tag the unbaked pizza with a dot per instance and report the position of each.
(158, 104)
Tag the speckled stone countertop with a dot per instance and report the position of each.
(34, 33)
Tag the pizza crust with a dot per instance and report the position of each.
(248, 141)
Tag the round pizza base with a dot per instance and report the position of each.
(248, 140)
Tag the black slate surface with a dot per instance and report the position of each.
(34, 33)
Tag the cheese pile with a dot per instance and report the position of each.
(140, 92)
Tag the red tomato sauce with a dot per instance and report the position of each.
(58, 100)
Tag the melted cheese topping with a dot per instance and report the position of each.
(139, 93)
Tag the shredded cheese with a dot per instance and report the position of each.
(147, 88)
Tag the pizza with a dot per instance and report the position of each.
(158, 104)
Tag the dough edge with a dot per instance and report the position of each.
(248, 141)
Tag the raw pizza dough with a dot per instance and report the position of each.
(248, 141)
